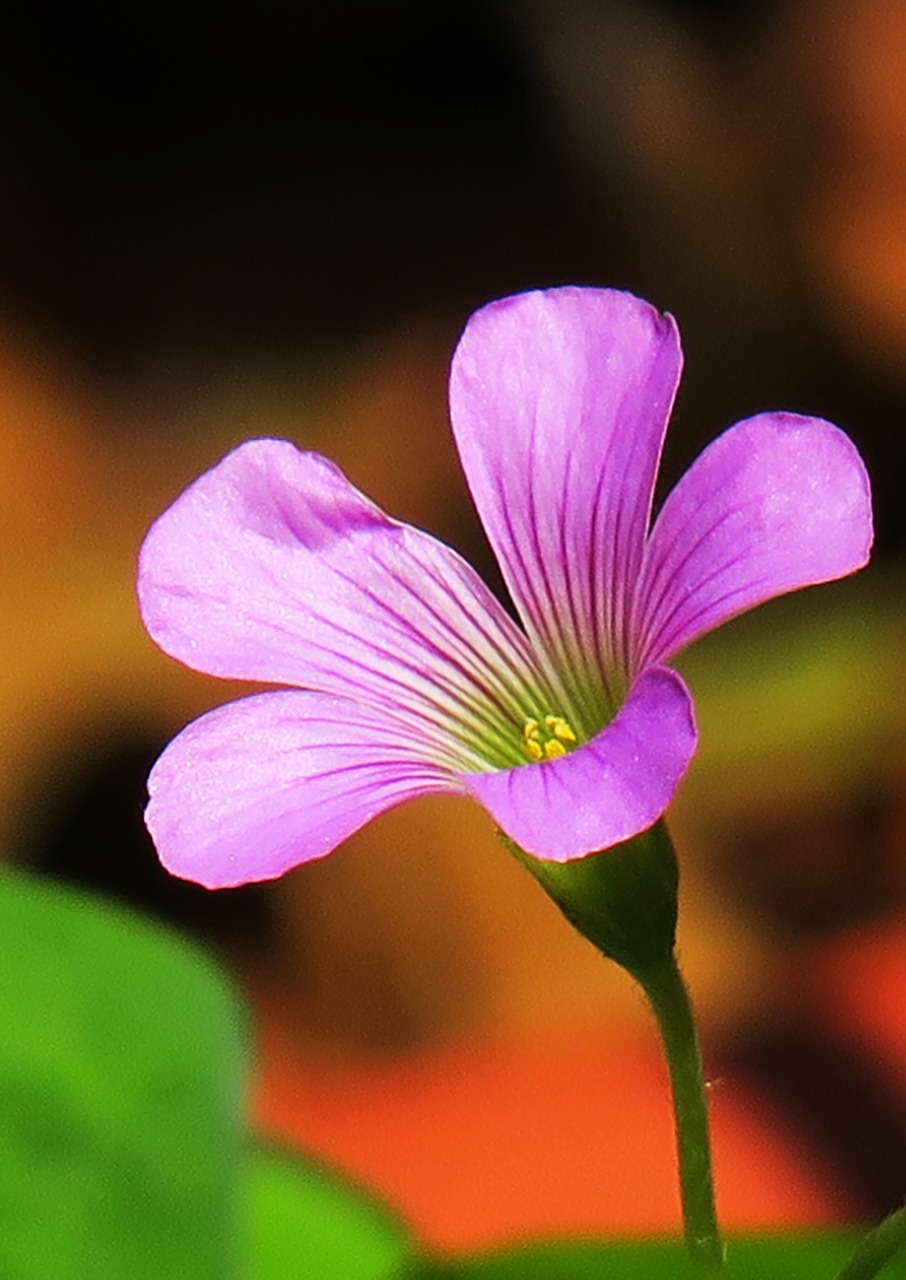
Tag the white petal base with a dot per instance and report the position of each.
(607, 791)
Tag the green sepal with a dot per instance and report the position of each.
(623, 900)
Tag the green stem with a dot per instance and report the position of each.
(669, 1000)
(624, 901)
(878, 1247)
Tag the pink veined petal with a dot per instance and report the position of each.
(273, 567)
(559, 402)
(776, 503)
(607, 791)
(260, 785)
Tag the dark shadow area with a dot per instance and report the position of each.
(189, 182)
(88, 831)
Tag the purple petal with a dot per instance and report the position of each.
(775, 503)
(607, 791)
(258, 786)
(559, 401)
(272, 567)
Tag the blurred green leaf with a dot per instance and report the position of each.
(564, 1262)
(305, 1221)
(122, 1152)
(121, 1071)
(814, 1257)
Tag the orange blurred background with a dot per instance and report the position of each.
(277, 224)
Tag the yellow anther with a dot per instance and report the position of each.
(547, 738)
(560, 728)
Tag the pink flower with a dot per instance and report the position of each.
(406, 676)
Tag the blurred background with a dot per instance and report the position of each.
(274, 221)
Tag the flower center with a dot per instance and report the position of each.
(547, 738)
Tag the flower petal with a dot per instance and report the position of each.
(607, 791)
(261, 785)
(559, 401)
(775, 503)
(272, 567)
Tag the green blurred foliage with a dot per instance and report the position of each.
(121, 1068)
(124, 1151)
(799, 1258)
(123, 1148)
(304, 1221)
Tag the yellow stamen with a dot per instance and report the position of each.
(547, 738)
(560, 728)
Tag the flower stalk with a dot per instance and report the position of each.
(878, 1247)
(624, 901)
(669, 1000)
